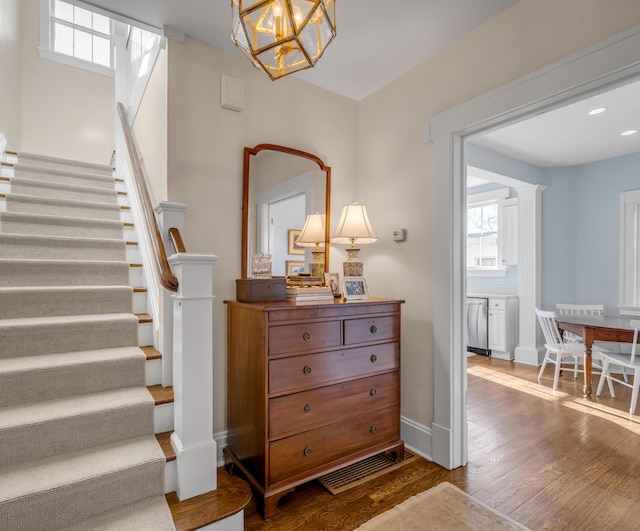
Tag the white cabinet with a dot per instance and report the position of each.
(508, 231)
(503, 327)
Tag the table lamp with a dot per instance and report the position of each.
(313, 235)
(353, 227)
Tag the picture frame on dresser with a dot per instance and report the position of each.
(355, 288)
(333, 281)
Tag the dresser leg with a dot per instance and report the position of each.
(268, 506)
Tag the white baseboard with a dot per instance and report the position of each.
(416, 437)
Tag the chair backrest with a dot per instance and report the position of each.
(635, 323)
(580, 309)
(552, 336)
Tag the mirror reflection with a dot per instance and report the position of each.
(282, 186)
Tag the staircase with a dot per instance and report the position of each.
(78, 448)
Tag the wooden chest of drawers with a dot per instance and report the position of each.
(310, 389)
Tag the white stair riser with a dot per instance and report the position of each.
(136, 278)
(145, 334)
(153, 372)
(163, 418)
(129, 234)
(171, 476)
(140, 302)
(133, 254)
(126, 216)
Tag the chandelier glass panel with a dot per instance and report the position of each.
(283, 36)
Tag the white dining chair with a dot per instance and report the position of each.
(578, 309)
(559, 352)
(630, 361)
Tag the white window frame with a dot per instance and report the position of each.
(46, 50)
(486, 198)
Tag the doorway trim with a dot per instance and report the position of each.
(608, 64)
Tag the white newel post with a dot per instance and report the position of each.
(192, 439)
(169, 215)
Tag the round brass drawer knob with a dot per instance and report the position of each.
(307, 408)
(307, 369)
(373, 329)
(373, 392)
(306, 336)
(373, 429)
(374, 358)
(307, 451)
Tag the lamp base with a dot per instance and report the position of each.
(352, 269)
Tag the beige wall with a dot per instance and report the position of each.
(66, 111)
(396, 165)
(206, 145)
(150, 130)
(10, 42)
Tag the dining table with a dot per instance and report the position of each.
(591, 328)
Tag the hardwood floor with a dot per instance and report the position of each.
(549, 460)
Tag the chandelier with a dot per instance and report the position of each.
(283, 36)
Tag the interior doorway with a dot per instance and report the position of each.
(580, 75)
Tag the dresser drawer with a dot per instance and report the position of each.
(299, 373)
(304, 337)
(298, 412)
(302, 453)
(371, 329)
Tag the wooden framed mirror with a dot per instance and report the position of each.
(281, 186)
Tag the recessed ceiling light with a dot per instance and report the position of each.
(630, 132)
(598, 110)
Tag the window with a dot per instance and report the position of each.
(485, 238)
(76, 36)
(482, 236)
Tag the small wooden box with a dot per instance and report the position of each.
(261, 289)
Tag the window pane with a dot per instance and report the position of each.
(63, 39)
(101, 24)
(82, 17)
(82, 45)
(101, 51)
(63, 11)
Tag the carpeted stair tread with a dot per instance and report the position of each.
(31, 379)
(58, 162)
(44, 429)
(77, 227)
(63, 273)
(150, 514)
(20, 185)
(65, 176)
(62, 206)
(55, 334)
(39, 301)
(58, 491)
(36, 247)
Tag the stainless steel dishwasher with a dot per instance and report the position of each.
(478, 326)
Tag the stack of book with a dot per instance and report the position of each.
(304, 280)
(309, 293)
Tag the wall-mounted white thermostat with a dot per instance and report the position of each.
(399, 235)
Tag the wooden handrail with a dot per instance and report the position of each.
(176, 239)
(167, 278)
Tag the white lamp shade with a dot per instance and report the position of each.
(354, 226)
(314, 232)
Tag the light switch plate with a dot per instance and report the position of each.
(399, 235)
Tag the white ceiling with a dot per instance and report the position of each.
(379, 40)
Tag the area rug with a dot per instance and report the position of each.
(442, 507)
